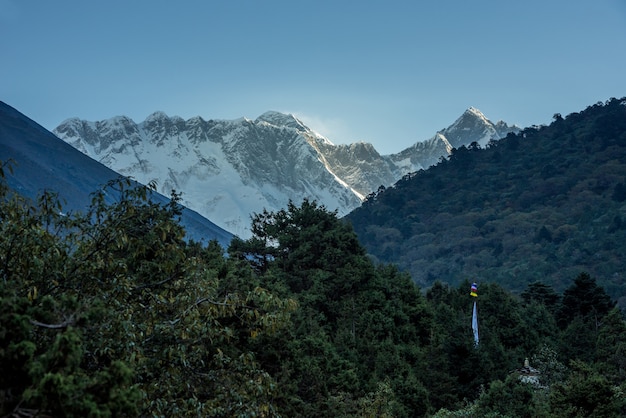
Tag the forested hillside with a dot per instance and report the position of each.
(111, 313)
(543, 204)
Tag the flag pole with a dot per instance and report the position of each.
(474, 294)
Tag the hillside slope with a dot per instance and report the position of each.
(543, 204)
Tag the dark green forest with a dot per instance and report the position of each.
(112, 313)
(541, 205)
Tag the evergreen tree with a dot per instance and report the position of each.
(585, 299)
(611, 348)
(541, 293)
(357, 325)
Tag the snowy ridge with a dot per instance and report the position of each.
(473, 126)
(228, 170)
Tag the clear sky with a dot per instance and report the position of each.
(387, 72)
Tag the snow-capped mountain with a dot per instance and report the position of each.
(229, 169)
(472, 126)
(225, 169)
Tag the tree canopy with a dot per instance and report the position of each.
(113, 313)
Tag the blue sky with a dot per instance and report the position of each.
(387, 72)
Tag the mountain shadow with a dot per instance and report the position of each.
(41, 161)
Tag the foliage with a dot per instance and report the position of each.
(586, 394)
(511, 397)
(584, 299)
(543, 294)
(112, 313)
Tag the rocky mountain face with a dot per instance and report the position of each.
(229, 169)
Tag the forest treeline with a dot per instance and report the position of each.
(111, 313)
(539, 205)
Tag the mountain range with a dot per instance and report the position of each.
(542, 203)
(41, 161)
(228, 170)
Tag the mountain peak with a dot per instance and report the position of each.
(473, 126)
(156, 116)
(282, 120)
(475, 113)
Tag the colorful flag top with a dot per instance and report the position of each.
(474, 290)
